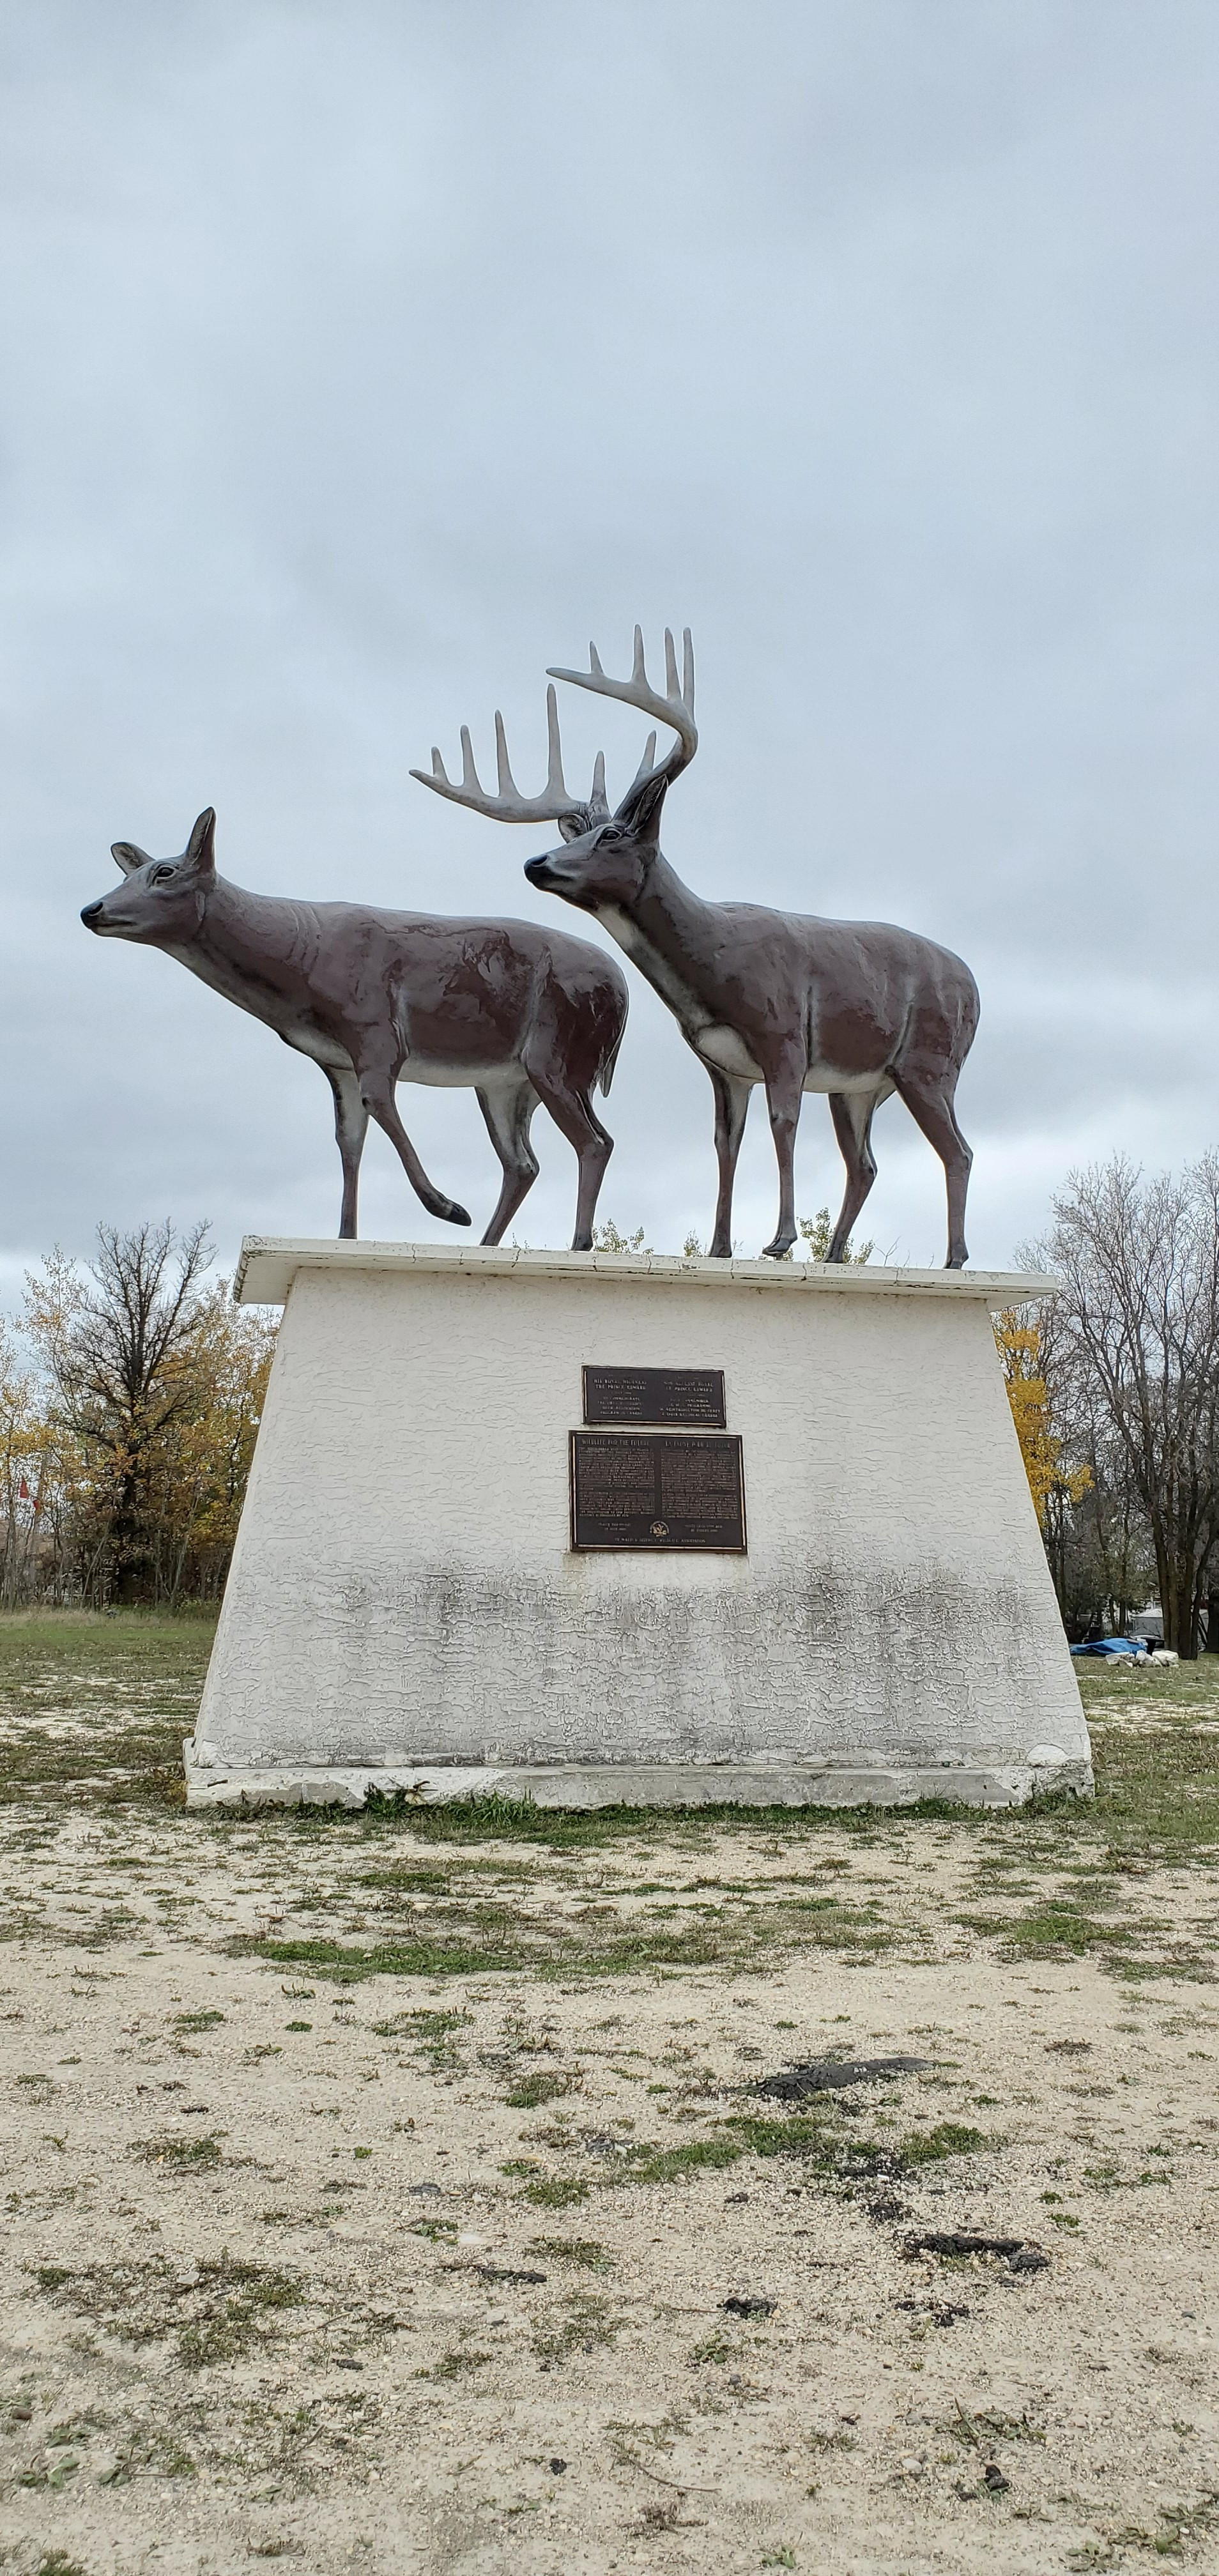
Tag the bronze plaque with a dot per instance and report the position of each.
(657, 1490)
(655, 1395)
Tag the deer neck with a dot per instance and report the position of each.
(674, 938)
(253, 948)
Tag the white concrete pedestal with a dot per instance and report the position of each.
(405, 1609)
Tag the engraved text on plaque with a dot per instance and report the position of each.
(655, 1395)
(657, 1490)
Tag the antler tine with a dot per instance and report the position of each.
(509, 792)
(508, 805)
(684, 690)
(645, 766)
(674, 707)
(554, 764)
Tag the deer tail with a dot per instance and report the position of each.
(608, 1062)
(609, 1059)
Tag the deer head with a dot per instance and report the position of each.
(606, 857)
(161, 901)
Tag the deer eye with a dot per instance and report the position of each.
(162, 875)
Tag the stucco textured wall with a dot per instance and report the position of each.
(403, 1590)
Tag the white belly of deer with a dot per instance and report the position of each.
(460, 1077)
(825, 1077)
(725, 1048)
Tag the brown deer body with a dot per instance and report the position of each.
(377, 998)
(856, 1009)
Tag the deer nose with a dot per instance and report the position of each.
(92, 913)
(535, 870)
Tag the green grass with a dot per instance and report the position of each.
(835, 2149)
(182, 2154)
(434, 2035)
(348, 1964)
(241, 2297)
(583, 2250)
(481, 1937)
(529, 2092)
(930, 2146)
(1157, 1773)
(825, 2140)
(588, 2325)
(132, 1684)
(553, 2191)
(214, 2311)
(652, 2163)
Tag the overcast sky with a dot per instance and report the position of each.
(363, 359)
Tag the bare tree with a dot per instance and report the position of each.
(1134, 1338)
(118, 1340)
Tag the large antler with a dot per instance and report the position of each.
(553, 805)
(676, 708)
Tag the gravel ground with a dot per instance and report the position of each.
(408, 2194)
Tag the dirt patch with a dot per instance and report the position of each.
(498, 2192)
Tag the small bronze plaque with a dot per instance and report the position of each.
(657, 1490)
(655, 1395)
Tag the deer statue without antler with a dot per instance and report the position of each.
(853, 1008)
(378, 998)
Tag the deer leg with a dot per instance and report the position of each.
(377, 1097)
(851, 1112)
(784, 1092)
(731, 1110)
(575, 1118)
(350, 1128)
(929, 1101)
(508, 1114)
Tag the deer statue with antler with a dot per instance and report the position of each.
(376, 998)
(857, 1009)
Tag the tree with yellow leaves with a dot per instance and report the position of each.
(1028, 1395)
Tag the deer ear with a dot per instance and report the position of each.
(128, 857)
(201, 845)
(640, 811)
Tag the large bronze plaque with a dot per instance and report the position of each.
(655, 1395)
(657, 1490)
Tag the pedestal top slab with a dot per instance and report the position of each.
(269, 1264)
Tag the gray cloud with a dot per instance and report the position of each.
(363, 360)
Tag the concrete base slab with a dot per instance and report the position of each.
(578, 1785)
(406, 1609)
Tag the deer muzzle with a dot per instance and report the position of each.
(541, 872)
